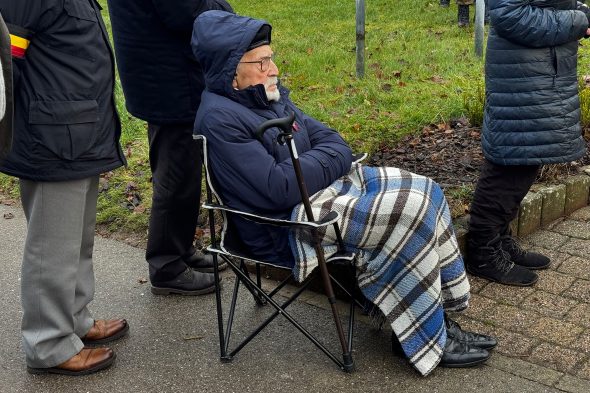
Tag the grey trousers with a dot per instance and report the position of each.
(57, 280)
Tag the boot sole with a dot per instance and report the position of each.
(109, 339)
(514, 284)
(535, 267)
(176, 291)
(55, 370)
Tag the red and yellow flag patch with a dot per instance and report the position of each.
(19, 46)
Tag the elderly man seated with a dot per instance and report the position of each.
(397, 222)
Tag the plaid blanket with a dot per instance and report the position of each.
(408, 261)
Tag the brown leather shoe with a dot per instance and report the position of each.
(105, 330)
(87, 361)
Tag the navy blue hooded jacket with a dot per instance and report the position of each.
(160, 77)
(251, 175)
(532, 108)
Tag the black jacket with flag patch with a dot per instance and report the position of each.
(66, 125)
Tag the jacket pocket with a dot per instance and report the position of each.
(65, 128)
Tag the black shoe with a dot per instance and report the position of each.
(530, 260)
(476, 340)
(493, 263)
(445, 3)
(463, 15)
(459, 354)
(189, 282)
(202, 262)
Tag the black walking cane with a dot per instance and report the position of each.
(285, 124)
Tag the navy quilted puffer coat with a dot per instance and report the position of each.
(532, 107)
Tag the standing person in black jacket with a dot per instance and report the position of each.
(66, 132)
(163, 83)
(532, 117)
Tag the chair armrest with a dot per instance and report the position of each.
(358, 157)
(326, 220)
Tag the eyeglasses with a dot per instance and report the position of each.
(263, 62)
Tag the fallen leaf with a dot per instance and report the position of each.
(8, 216)
(142, 280)
(193, 338)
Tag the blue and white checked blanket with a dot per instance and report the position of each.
(408, 261)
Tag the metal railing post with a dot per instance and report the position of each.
(480, 9)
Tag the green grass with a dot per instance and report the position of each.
(420, 69)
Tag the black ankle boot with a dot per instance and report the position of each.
(491, 262)
(477, 340)
(530, 260)
(463, 15)
(445, 3)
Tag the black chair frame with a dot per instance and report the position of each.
(236, 260)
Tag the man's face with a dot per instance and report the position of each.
(257, 68)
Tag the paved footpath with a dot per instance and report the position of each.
(173, 347)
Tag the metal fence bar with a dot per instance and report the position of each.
(480, 10)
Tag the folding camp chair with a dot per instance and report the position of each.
(227, 247)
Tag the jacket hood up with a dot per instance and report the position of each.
(219, 41)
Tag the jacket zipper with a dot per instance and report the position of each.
(554, 63)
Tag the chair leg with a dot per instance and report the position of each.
(230, 321)
(222, 347)
(280, 309)
(253, 288)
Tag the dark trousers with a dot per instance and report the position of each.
(498, 193)
(176, 164)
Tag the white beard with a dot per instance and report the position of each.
(272, 95)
